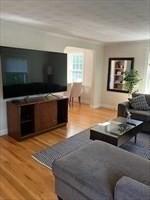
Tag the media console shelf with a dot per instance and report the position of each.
(35, 116)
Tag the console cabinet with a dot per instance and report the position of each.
(35, 116)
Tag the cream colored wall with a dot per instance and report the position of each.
(138, 50)
(97, 78)
(17, 35)
(88, 72)
(2, 107)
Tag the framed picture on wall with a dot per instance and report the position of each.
(116, 73)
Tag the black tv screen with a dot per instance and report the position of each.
(30, 72)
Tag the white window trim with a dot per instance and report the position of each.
(70, 66)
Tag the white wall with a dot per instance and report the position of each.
(17, 35)
(138, 50)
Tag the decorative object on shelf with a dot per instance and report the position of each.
(116, 73)
(128, 115)
(131, 79)
(123, 127)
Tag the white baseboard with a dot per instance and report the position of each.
(95, 106)
(108, 106)
(104, 106)
(3, 132)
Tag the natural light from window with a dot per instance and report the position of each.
(75, 67)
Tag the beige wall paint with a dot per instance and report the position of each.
(98, 77)
(139, 50)
(17, 35)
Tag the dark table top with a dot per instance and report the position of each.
(116, 127)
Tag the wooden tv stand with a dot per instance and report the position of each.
(35, 116)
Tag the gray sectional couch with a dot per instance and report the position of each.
(141, 115)
(101, 171)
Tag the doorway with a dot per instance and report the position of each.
(80, 69)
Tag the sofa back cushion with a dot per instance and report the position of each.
(139, 103)
(147, 97)
(131, 189)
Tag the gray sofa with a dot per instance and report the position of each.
(101, 171)
(136, 114)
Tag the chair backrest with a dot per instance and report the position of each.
(76, 89)
(68, 92)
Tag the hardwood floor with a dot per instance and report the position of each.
(21, 177)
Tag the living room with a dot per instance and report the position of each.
(111, 29)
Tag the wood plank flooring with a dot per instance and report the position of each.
(21, 177)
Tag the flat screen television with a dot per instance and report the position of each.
(31, 72)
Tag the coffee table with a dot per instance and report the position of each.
(117, 131)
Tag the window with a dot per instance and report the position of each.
(75, 67)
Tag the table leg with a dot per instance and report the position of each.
(135, 138)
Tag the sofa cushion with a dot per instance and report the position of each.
(140, 115)
(94, 169)
(130, 189)
(139, 103)
(147, 96)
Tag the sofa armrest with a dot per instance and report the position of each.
(122, 109)
(130, 189)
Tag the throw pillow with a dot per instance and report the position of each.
(139, 103)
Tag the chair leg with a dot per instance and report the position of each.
(79, 98)
(59, 198)
(135, 138)
(72, 100)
